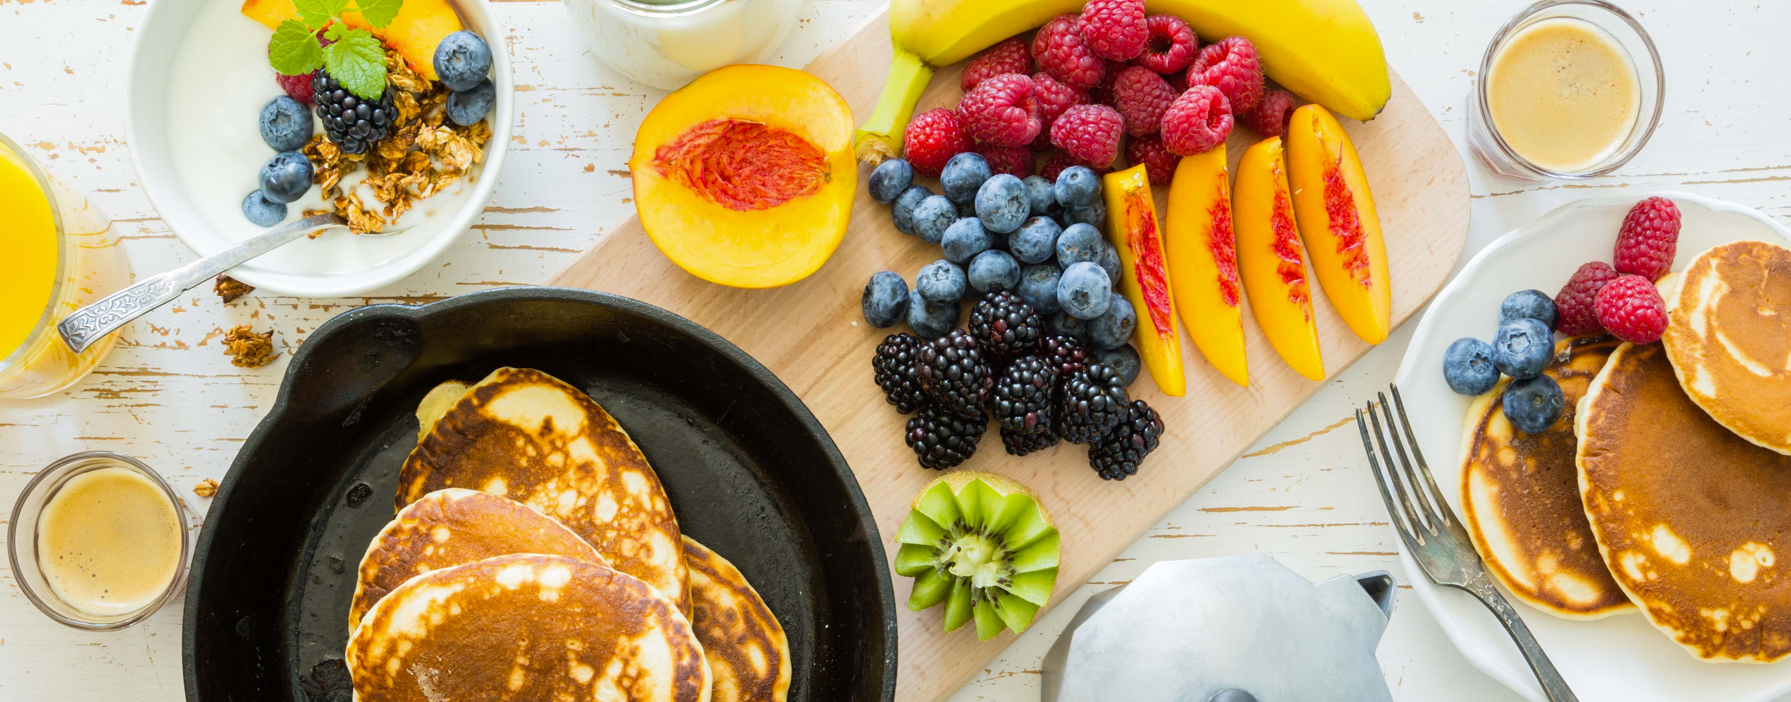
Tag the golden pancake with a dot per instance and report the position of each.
(1690, 518)
(748, 655)
(525, 627)
(1729, 338)
(1520, 494)
(450, 527)
(525, 435)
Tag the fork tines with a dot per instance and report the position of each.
(1420, 513)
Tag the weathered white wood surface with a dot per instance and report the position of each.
(170, 397)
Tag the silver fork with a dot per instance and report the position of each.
(1434, 536)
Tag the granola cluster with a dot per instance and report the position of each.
(424, 154)
(248, 349)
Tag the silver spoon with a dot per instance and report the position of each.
(88, 324)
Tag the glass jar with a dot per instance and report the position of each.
(61, 254)
(668, 44)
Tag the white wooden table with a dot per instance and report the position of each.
(169, 396)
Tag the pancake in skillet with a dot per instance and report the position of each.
(1729, 338)
(1690, 518)
(525, 435)
(450, 527)
(747, 652)
(526, 627)
(1521, 497)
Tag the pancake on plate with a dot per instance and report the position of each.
(747, 652)
(450, 527)
(1690, 518)
(1521, 497)
(525, 435)
(526, 627)
(1729, 338)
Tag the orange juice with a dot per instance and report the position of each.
(28, 246)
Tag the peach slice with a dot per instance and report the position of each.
(1269, 258)
(745, 176)
(414, 33)
(1338, 222)
(1144, 275)
(1203, 262)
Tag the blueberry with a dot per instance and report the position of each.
(1094, 214)
(964, 239)
(285, 124)
(1036, 241)
(1001, 203)
(1113, 329)
(940, 282)
(461, 60)
(903, 211)
(286, 177)
(1533, 404)
(963, 176)
(1084, 291)
(994, 270)
(1123, 359)
(885, 299)
(1038, 287)
(932, 216)
(1060, 322)
(891, 179)
(1077, 186)
(1532, 304)
(1522, 347)
(1109, 261)
(1041, 196)
(261, 211)
(930, 321)
(467, 107)
(1468, 366)
(1079, 243)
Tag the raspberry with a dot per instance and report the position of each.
(1631, 309)
(297, 87)
(932, 138)
(1649, 238)
(1197, 121)
(1010, 56)
(1012, 160)
(1060, 52)
(1089, 133)
(1231, 66)
(1271, 114)
(1061, 160)
(1159, 164)
(1053, 97)
(1170, 44)
(999, 111)
(1141, 96)
(1573, 304)
(1115, 29)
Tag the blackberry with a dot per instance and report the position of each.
(1023, 396)
(1094, 402)
(1005, 325)
(894, 365)
(952, 370)
(942, 439)
(1066, 354)
(1018, 444)
(352, 123)
(1117, 455)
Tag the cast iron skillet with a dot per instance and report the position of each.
(749, 471)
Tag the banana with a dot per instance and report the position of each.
(1325, 51)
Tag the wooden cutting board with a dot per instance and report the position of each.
(813, 336)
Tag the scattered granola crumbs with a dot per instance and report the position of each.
(230, 288)
(248, 349)
(206, 488)
(399, 74)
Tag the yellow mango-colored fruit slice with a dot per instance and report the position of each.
(1203, 262)
(1269, 258)
(414, 33)
(1338, 223)
(1133, 231)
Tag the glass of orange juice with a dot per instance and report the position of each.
(1568, 89)
(58, 253)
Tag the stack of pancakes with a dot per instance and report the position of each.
(1675, 463)
(535, 556)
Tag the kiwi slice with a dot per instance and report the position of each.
(983, 546)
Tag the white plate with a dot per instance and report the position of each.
(1620, 657)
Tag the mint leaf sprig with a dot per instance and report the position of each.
(356, 59)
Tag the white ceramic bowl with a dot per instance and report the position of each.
(1620, 657)
(312, 268)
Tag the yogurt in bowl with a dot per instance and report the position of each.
(199, 80)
